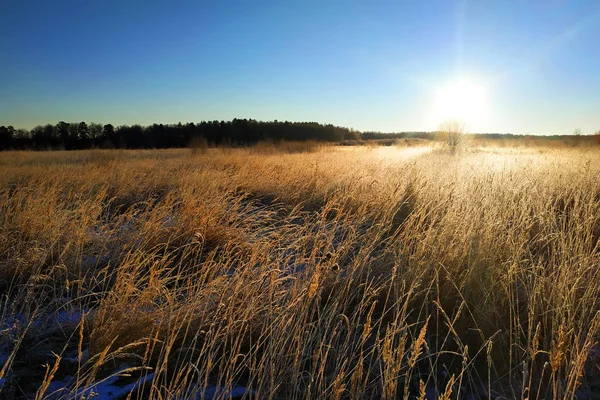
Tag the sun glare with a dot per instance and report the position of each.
(461, 100)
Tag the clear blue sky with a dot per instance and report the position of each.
(370, 65)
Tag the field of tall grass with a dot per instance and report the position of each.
(302, 272)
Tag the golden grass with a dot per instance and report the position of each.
(302, 271)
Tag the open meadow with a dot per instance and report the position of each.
(300, 271)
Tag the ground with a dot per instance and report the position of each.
(300, 271)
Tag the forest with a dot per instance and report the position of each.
(237, 132)
(81, 135)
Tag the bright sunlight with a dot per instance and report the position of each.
(462, 100)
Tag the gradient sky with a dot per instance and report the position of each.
(369, 65)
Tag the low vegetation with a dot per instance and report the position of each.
(300, 271)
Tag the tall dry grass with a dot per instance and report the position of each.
(356, 272)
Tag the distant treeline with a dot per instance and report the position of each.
(239, 132)
(479, 136)
(513, 136)
(81, 135)
(398, 135)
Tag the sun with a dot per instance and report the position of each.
(461, 100)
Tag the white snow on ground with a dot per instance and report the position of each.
(104, 389)
(109, 389)
(13, 325)
(3, 359)
(74, 357)
(5, 352)
(54, 320)
(67, 317)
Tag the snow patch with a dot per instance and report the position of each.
(104, 389)
(110, 389)
(3, 359)
(55, 320)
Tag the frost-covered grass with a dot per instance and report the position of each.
(379, 272)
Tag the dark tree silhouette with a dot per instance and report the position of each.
(95, 131)
(7, 134)
(239, 132)
(62, 131)
(83, 136)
